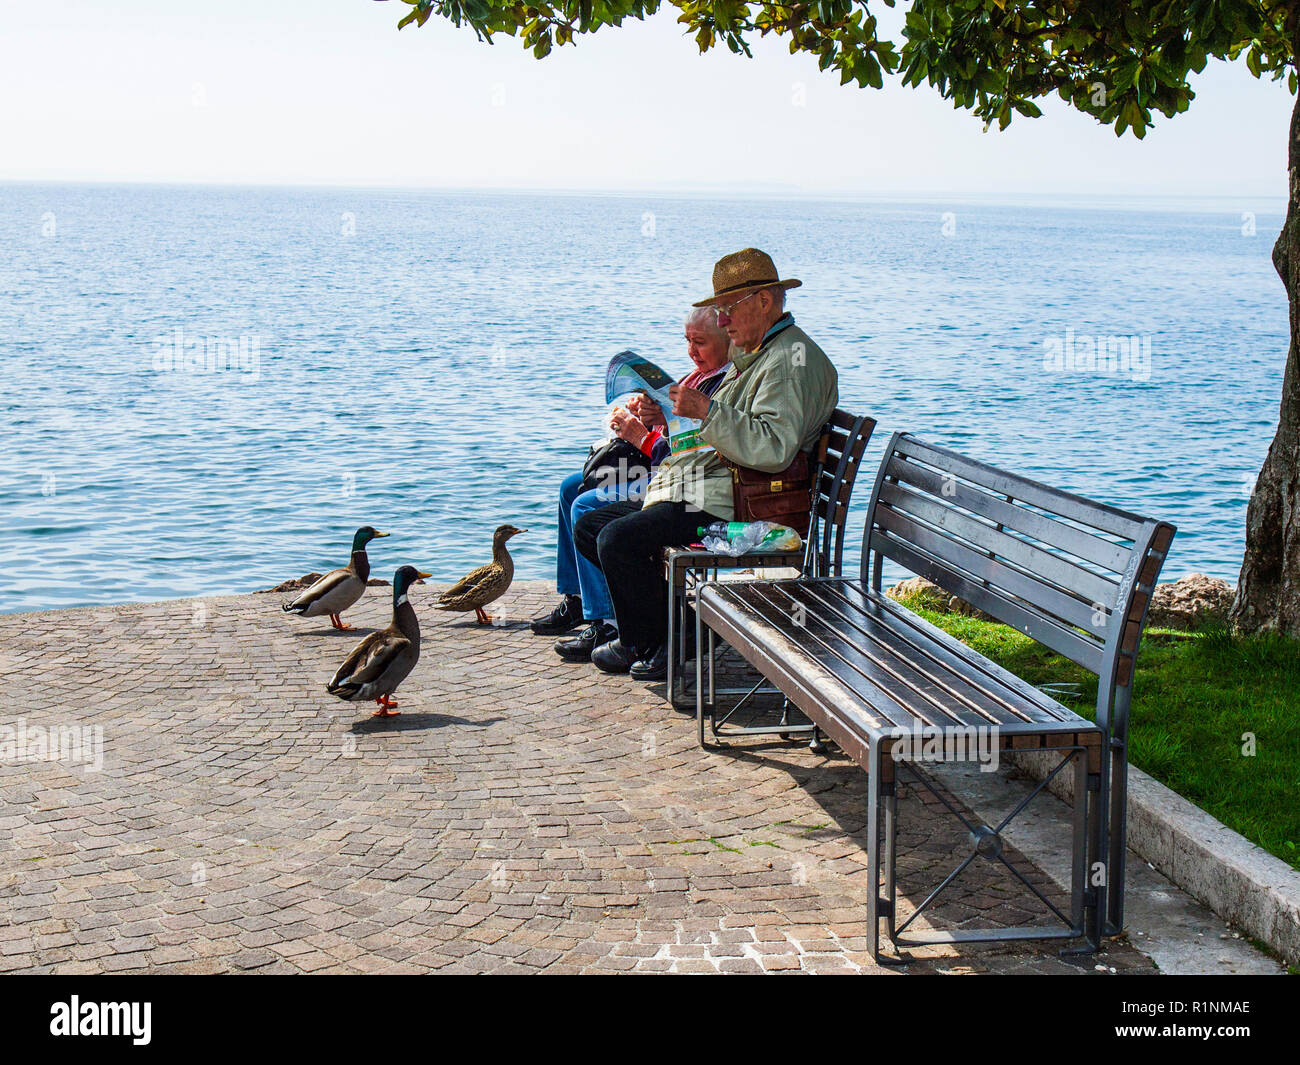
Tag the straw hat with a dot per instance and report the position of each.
(745, 271)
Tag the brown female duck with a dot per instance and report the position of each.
(487, 583)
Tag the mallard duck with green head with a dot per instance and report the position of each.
(486, 584)
(380, 662)
(339, 588)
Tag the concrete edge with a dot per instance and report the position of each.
(1241, 882)
(524, 584)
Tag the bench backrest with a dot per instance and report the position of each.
(1073, 574)
(837, 461)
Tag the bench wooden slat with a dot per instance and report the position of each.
(1027, 557)
(950, 680)
(1075, 646)
(789, 665)
(992, 575)
(1095, 515)
(949, 664)
(1105, 553)
(838, 660)
(874, 700)
(918, 696)
(922, 636)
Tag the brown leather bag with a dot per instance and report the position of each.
(784, 498)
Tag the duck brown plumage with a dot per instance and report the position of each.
(486, 584)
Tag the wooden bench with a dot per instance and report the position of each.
(1073, 574)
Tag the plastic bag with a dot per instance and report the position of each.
(743, 537)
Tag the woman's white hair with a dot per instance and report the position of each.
(705, 318)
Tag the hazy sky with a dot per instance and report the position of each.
(329, 92)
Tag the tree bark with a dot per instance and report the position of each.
(1268, 592)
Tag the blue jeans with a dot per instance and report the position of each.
(574, 574)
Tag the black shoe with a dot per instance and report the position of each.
(564, 618)
(613, 657)
(653, 666)
(578, 648)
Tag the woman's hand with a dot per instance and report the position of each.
(628, 427)
(689, 402)
(646, 410)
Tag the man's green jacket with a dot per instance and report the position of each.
(773, 403)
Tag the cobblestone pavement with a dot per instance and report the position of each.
(521, 814)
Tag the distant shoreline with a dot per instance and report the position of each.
(1207, 203)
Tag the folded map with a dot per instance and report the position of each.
(628, 372)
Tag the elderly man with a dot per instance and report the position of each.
(585, 597)
(772, 404)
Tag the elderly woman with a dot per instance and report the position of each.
(577, 579)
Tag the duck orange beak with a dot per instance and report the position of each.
(419, 577)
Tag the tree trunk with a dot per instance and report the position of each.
(1268, 593)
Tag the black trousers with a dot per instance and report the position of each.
(626, 541)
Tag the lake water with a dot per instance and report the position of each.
(432, 363)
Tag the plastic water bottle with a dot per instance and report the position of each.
(724, 530)
(742, 537)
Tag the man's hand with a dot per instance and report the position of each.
(647, 410)
(689, 402)
(628, 427)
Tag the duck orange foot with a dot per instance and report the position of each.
(386, 708)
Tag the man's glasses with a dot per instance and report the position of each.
(727, 308)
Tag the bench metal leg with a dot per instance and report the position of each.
(1087, 873)
(1085, 908)
(670, 682)
(1118, 802)
(709, 707)
(678, 601)
(987, 843)
(677, 687)
(1099, 850)
(710, 651)
(699, 679)
(1079, 842)
(891, 856)
(873, 850)
(706, 709)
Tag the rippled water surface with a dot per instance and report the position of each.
(431, 363)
